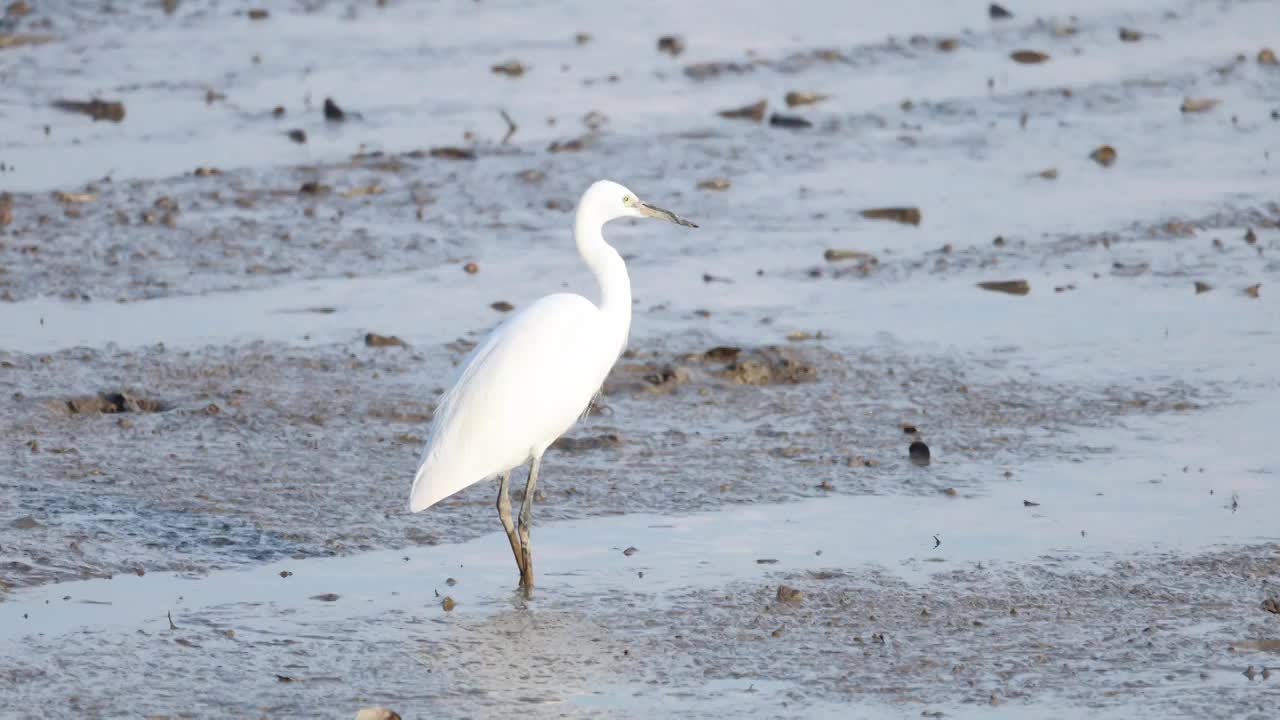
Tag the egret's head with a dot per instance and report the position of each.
(607, 200)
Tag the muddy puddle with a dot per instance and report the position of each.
(959, 402)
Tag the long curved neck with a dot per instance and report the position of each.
(611, 273)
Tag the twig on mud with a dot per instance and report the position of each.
(171, 625)
(511, 126)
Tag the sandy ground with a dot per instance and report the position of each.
(203, 444)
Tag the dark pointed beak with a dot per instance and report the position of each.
(656, 212)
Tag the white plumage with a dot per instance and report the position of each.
(534, 375)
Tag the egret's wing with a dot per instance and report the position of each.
(517, 391)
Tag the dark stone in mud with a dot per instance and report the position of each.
(376, 340)
(672, 45)
(113, 402)
(325, 597)
(904, 215)
(298, 135)
(1202, 287)
(1130, 35)
(97, 109)
(789, 121)
(1030, 503)
(631, 550)
(502, 306)
(571, 444)
(311, 187)
(918, 452)
(26, 523)
(998, 12)
(1010, 287)
(332, 112)
(258, 14)
(1271, 605)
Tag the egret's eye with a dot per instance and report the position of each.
(626, 199)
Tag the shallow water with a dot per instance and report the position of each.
(1101, 447)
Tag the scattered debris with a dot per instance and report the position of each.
(788, 121)
(754, 111)
(574, 145)
(714, 184)
(1104, 155)
(332, 112)
(904, 215)
(1028, 57)
(453, 153)
(112, 402)
(998, 12)
(1199, 105)
(834, 255)
(95, 108)
(788, 594)
(1012, 287)
(510, 68)
(672, 45)
(13, 40)
(796, 97)
(376, 340)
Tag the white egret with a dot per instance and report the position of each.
(534, 376)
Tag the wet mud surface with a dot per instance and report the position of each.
(241, 252)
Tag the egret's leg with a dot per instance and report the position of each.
(504, 513)
(526, 524)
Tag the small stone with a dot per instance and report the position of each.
(1267, 56)
(332, 112)
(1202, 287)
(258, 14)
(672, 45)
(447, 604)
(471, 268)
(502, 306)
(297, 135)
(998, 12)
(1028, 57)
(918, 452)
(325, 597)
(377, 713)
(631, 550)
(1104, 155)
